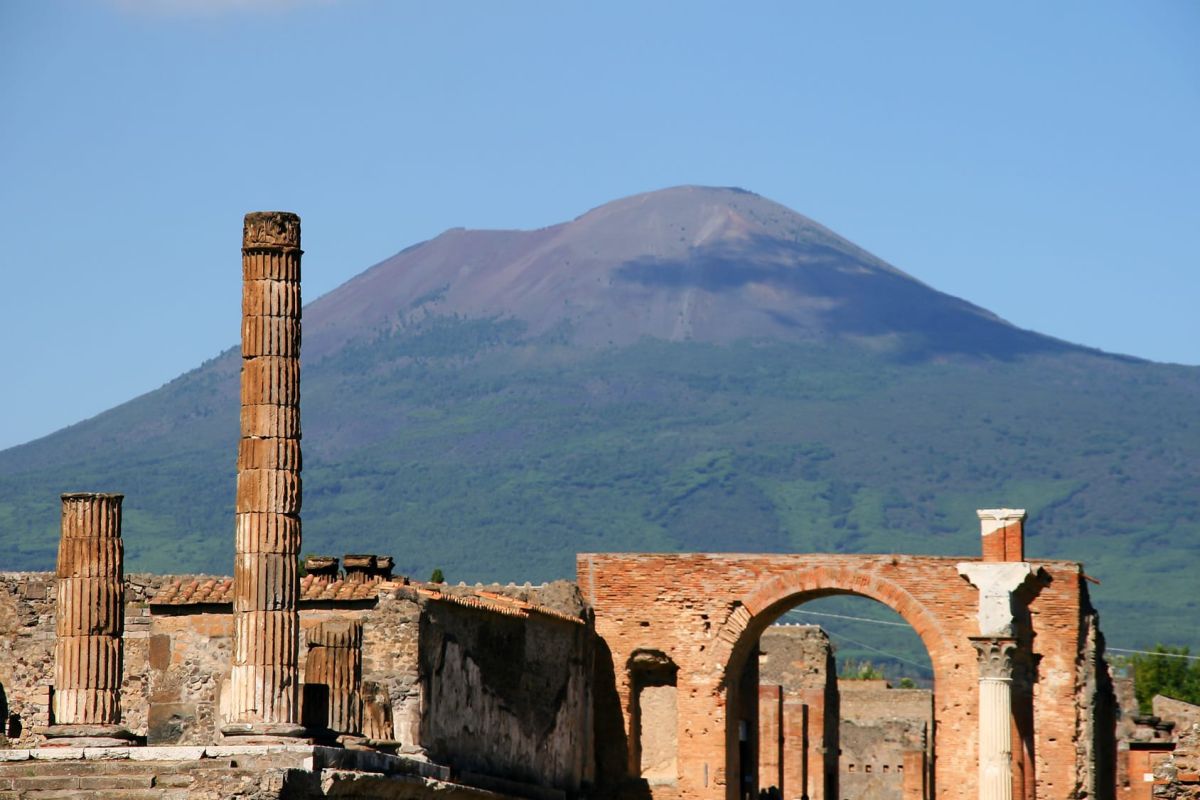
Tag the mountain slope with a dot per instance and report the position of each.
(683, 264)
(769, 387)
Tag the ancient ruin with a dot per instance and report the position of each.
(651, 676)
(90, 621)
(264, 681)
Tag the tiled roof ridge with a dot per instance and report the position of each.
(499, 603)
(218, 590)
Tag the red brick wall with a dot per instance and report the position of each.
(706, 611)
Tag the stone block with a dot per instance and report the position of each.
(93, 607)
(168, 722)
(270, 380)
(265, 582)
(270, 298)
(166, 753)
(266, 421)
(160, 652)
(57, 754)
(269, 491)
(266, 532)
(271, 231)
(271, 336)
(269, 454)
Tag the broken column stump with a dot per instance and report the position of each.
(264, 682)
(333, 678)
(90, 618)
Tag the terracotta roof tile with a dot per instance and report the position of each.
(219, 591)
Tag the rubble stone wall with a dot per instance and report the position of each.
(27, 631)
(878, 726)
(484, 685)
(506, 696)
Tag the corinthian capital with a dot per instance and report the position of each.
(995, 656)
(267, 229)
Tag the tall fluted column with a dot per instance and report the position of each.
(264, 681)
(995, 714)
(90, 618)
(333, 677)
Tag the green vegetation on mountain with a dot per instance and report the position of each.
(458, 444)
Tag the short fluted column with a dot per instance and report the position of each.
(90, 619)
(995, 712)
(333, 677)
(264, 686)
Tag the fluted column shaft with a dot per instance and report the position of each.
(995, 715)
(334, 667)
(264, 679)
(90, 611)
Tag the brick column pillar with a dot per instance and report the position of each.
(264, 680)
(916, 783)
(1002, 533)
(333, 677)
(995, 712)
(90, 619)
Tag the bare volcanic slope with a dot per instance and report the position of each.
(684, 264)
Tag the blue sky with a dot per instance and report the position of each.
(1040, 160)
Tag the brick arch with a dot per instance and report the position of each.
(757, 609)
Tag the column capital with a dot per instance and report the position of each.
(996, 581)
(992, 518)
(995, 656)
(271, 230)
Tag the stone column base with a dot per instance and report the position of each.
(88, 736)
(266, 733)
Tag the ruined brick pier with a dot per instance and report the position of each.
(264, 698)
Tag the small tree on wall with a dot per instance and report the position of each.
(1167, 672)
(437, 576)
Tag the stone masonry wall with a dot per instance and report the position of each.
(27, 625)
(506, 696)
(878, 726)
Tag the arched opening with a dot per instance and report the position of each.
(830, 696)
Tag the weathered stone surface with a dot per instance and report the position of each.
(324, 569)
(266, 532)
(270, 380)
(271, 230)
(270, 299)
(270, 336)
(275, 491)
(90, 611)
(264, 677)
(271, 421)
(333, 676)
(269, 454)
(886, 729)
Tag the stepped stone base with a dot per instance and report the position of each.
(266, 734)
(87, 736)
(294, 771)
